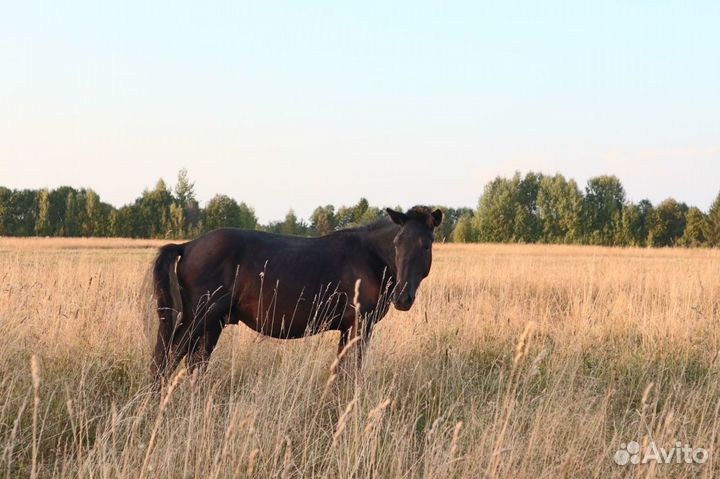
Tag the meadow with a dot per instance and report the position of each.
(516, 361)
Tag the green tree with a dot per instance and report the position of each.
(667, 223)
(496, 210)
(322, 220)
(370, 215)
(291, 225)
(5, 227)
(58, 210)
(19, 212)
(72, 221)
(508, 210)
(185, 199)
(223, 211)
(694, 234)
(42, 223)
(355, 215)
(631, 231)
(559, 204)
(528, 227)
(129, 222)
(602, 209)
(712, 223)
(178, 224)
(154, 211)
(92, 224)
(451, 217)
(184, 188)
(646, 209)
(464, 230)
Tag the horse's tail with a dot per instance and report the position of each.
(169, 302)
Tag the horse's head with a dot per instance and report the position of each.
(413, 251)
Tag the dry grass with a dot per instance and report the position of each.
(516, 361)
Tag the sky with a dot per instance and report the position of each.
(300, 104)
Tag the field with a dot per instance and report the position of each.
(516, 361)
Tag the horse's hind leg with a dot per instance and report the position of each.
(197, 336)
(162, 349)
(202, 347)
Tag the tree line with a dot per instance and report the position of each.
(538, 208)
(533, 208)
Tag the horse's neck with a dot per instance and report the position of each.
(381, 241)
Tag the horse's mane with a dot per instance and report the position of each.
(378, 224)
(416, 213)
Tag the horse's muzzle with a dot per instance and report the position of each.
(404, 301)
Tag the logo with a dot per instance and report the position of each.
(632, 454)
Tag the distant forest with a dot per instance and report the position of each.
(533, 208)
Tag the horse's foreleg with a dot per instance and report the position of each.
(344, 339)
(353, 342)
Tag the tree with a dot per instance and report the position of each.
(178, 224)
(355, 215)
(154, 211)
(559, 205)
(129, 222)
(712, 223)
(42, 223)
(371, 214)
(646, 208)
(602, 209)
(322, 220)
(71, 218)
(184, 189)
(92, 224)
(19, 213)
(5, 226)
(290, 226)
(528, 227)
(508, 210)
(464, 230)
(667, 223)
(247, 218)
(451, 217)
(496, 210)
(694, 234)
(58, 210)
(631, 231)
(223, 211)
(189, 207)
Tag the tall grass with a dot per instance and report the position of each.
(516, 361)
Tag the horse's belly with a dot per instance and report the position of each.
(279, 316)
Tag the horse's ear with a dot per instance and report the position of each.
(396, 217)
(437, 217)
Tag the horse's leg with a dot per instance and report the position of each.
(198, 337)
(344, 339)
(365, 333)
(179, 346)
(184, 332)
(202, 347)
(162, 349)
(359, 334)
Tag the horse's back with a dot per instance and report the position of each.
(297, 263)
(291, 273)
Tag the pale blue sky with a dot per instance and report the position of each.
(307, 103)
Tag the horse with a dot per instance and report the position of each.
(286, 286)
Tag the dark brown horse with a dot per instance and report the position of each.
(287, 286)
